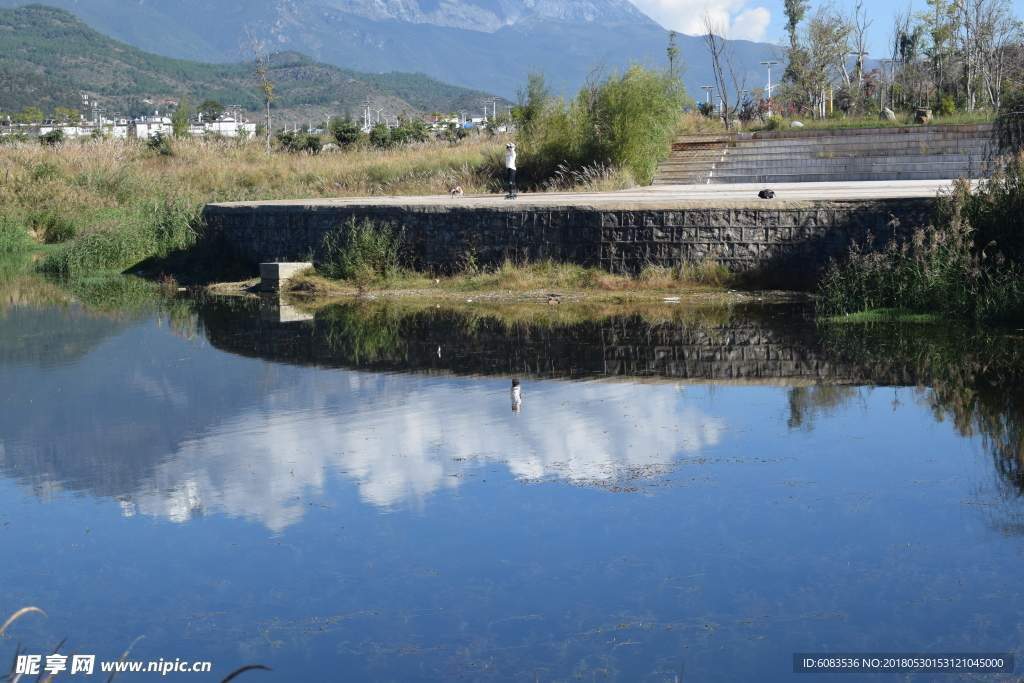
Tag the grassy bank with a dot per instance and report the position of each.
(112, 204)
(509, 280)
(108, 204)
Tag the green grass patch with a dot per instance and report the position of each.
(887, 315)
(14, 237)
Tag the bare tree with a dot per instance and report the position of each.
(717, 46)
(254, 51)
(970, 47)
(859, 26)
(996, 34)
(723, 64)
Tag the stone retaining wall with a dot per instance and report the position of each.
(791, 236)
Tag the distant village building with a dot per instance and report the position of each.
(122, 129)
(148, 126)
(231, 126)
(440, 122)
(142, 128)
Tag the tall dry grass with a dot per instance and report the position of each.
(112, 204)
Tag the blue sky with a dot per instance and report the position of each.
(763, 20)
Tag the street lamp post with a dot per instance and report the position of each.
(768, 89)
(365, 105)
(884, 63)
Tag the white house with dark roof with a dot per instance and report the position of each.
(148, 126)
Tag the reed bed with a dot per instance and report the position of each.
(966, 266)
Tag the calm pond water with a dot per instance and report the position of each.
(361, 497)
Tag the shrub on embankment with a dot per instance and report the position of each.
(624, 122)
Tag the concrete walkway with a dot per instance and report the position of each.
(656, 196)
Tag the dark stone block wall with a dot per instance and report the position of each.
(791, 236)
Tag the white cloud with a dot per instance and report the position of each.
(687, 16)
(751, 24)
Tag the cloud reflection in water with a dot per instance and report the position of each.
(263, 465)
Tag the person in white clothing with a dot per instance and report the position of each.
(510, 168)
(517, 397)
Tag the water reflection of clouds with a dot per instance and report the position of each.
(418, 439)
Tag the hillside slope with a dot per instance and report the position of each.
(48, 57)
(486, 45)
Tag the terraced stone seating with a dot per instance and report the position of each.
(899, 153)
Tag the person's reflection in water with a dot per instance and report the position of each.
(517, 399)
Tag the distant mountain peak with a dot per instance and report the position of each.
(475, 15)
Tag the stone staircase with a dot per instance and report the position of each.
(937, 152)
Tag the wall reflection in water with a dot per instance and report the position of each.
(177, 437)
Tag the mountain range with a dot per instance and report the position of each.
(49, 57)
(483, 45)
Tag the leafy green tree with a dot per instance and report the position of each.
(210, 109)
(181, 117)
(29, 115)
(299, 142)
(534, 102)
(409, 130)
(66, 115)
(344, 131)
(673, 53)
(454, 132)
(380, 135)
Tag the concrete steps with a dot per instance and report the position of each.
(701, 154)
(899, 153)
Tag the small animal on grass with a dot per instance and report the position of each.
(456, 191)
(766, 194)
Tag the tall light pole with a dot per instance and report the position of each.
(884, 63)
(707, 90)
(768, 89)
(365, 106)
